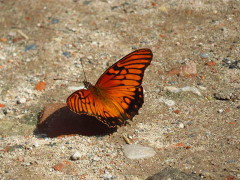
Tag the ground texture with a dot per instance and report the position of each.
(192, 88)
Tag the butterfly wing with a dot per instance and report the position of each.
(128, 71)
(118, 94)
(87, 102)
(122, 83)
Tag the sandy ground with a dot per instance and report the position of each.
(195, 131)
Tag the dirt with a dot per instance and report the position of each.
(43, 40)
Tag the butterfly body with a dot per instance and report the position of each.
(118, 94)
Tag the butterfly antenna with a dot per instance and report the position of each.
(83, 71)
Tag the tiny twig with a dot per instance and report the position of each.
(24, 35)
(56, 79)
(126, 139)
(83, 70)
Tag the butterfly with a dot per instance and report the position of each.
(118, 95)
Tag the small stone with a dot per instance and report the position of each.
(96, 158)
(54, 21)
(168, 102)
(61, 166)
(172, 89)
(94, 43)
(35, 144)
(21, 100)
(40, 86)
(192, 89)
(228, 94)
(75, 156)
(137, 151)
(107, 175)
(30, 47)
(226, 62)
(177, 43)
(210, 63)
(202, 88)
(173, 173)
(189, 69)
(26, 164)
(20, 159)
(220, 111)
(75, 88)
(235, 65)
(66, 54)
(181, 125)
(204, 55)
(89, 57)
(12, 33)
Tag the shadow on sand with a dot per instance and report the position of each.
(65, 122)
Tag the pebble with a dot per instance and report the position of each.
(30, 47)
(172, 89)
(228, 94)
(173, 173)
(75, 156)
(220, 111)
(21, 100)
(235, 65)
(184, 89)
(35, 144)
(96, 158)
(192, 89)
(107, 175)
(168, 102)
(75, 88)
(231, 64)
(181, 125)
(2, 57)
(137, 151)
(54, 21)
(12, 33)
(66, 54)
(189, 69)
(204, 55)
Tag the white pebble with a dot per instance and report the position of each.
(192, 89)
(184, 89)
(220, 111)
(89, 57)
(168, 102)
(172, 89)
(107, 175)
(202, 88)
(2, 57)
(75, 88)
(35, 144)
(181, 125)
(137, 151)
(94, 43)
(21, 100)
(96, 158)
(76, 156)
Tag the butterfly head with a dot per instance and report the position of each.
(87, 84)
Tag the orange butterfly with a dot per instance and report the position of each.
(118, 94)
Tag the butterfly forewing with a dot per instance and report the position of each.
(129, 69)
(118, 94)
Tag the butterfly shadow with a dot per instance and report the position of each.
(65, 122)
